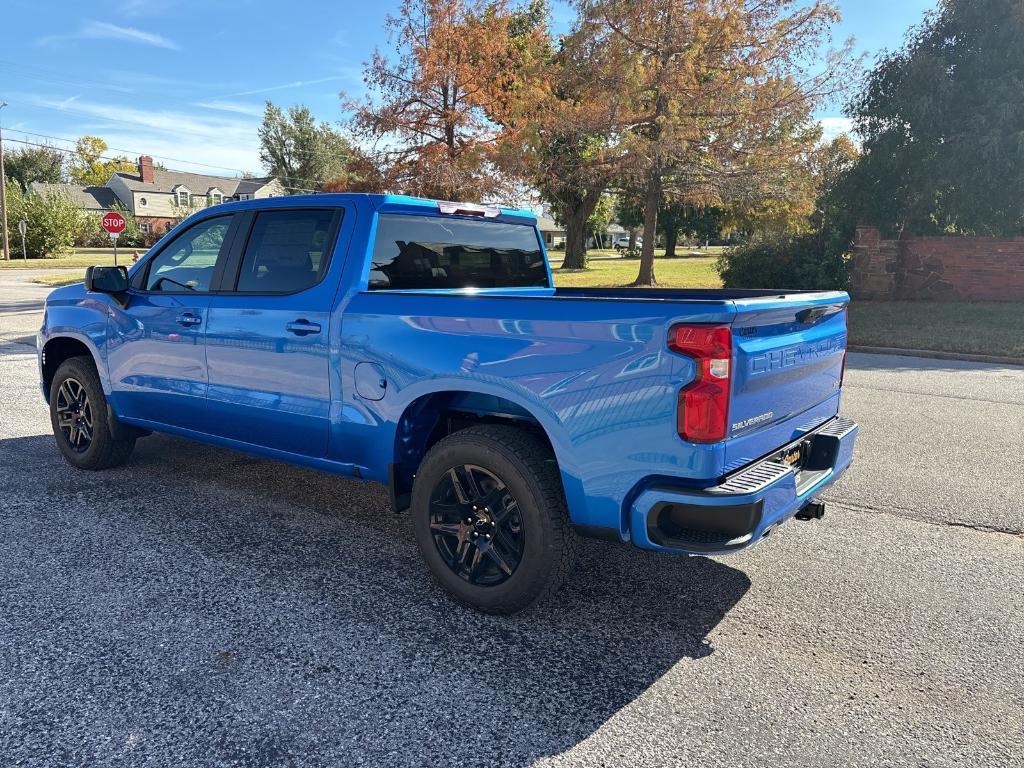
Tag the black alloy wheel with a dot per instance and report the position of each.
(87, 434)
(476, 525)
(74, 414)
(490, 517)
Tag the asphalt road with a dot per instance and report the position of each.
(200, 607)
(21, 303)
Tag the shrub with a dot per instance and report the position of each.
(92, 235)
(53, 220)
(798, 262)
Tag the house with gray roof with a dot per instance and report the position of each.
(90, 199)
(158, 198)
(552, 232)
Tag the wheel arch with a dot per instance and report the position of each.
(433, 415)
(62, 347)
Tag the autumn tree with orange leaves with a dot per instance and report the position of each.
(713, 99)
(436, 108)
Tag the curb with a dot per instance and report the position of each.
(937, 355)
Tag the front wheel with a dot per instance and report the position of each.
(78, 413)
(491, 520)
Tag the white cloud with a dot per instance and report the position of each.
(232, 106)
(215, 159)
(834, 126)
(229, 143)
(295, 84)
(102, 30)
(147, 7)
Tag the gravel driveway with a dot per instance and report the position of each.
(200, 607)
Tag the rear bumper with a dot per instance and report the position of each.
(749, 504)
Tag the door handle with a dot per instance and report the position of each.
(302, 327)
(188, 319)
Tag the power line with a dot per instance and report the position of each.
(298, 179)
(109, 158)
(58, 78)
(105, 118)
(136, 124)
(133, 152)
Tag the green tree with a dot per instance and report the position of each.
(629, 213)
(91, 167)
(565, 147)
(941, 125)
(671, 217)
(704, 223)
(53, 221)
(303, 153)
(30, 164)
(712, 101)
(600, 218)
(813, 253)
(571, 175)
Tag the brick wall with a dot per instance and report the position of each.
(159, 224)
(937, 268)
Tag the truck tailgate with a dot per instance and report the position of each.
(788, 357)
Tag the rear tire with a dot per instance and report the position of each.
(498, 539)
(78, 414)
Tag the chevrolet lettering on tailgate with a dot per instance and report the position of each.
(798, 354)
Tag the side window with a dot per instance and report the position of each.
(417, 252)
(287, 251)
(187, 263)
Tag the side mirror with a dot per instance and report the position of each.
(112, 280)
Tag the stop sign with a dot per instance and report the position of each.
(114, 222)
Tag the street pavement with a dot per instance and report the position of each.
(21, 303)
(199, 607)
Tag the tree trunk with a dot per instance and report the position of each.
(576, 231)
(652, 200)
(632, 239)
(575, 240)
(671, 238)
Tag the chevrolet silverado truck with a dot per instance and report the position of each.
(421, 344)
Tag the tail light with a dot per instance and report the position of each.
(703, 414)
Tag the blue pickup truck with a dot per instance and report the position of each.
(422, 344)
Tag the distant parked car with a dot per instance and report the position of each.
(621, 243)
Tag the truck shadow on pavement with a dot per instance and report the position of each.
(199, 606)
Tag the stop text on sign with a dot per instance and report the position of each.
(114, 222)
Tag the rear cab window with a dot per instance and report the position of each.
(437, 252)
(287, 251)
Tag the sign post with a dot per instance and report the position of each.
(114, 223)
(23, 228)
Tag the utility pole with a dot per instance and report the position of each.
(3, 192)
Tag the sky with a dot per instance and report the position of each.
(186, 80)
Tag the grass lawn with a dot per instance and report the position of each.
(81, 258)
(61, 278)
(610, 272)
(979, 328)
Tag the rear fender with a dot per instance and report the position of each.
(526, 406)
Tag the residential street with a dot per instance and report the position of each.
(21, 303)
(200, 607)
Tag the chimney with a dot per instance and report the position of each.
(146, 169)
